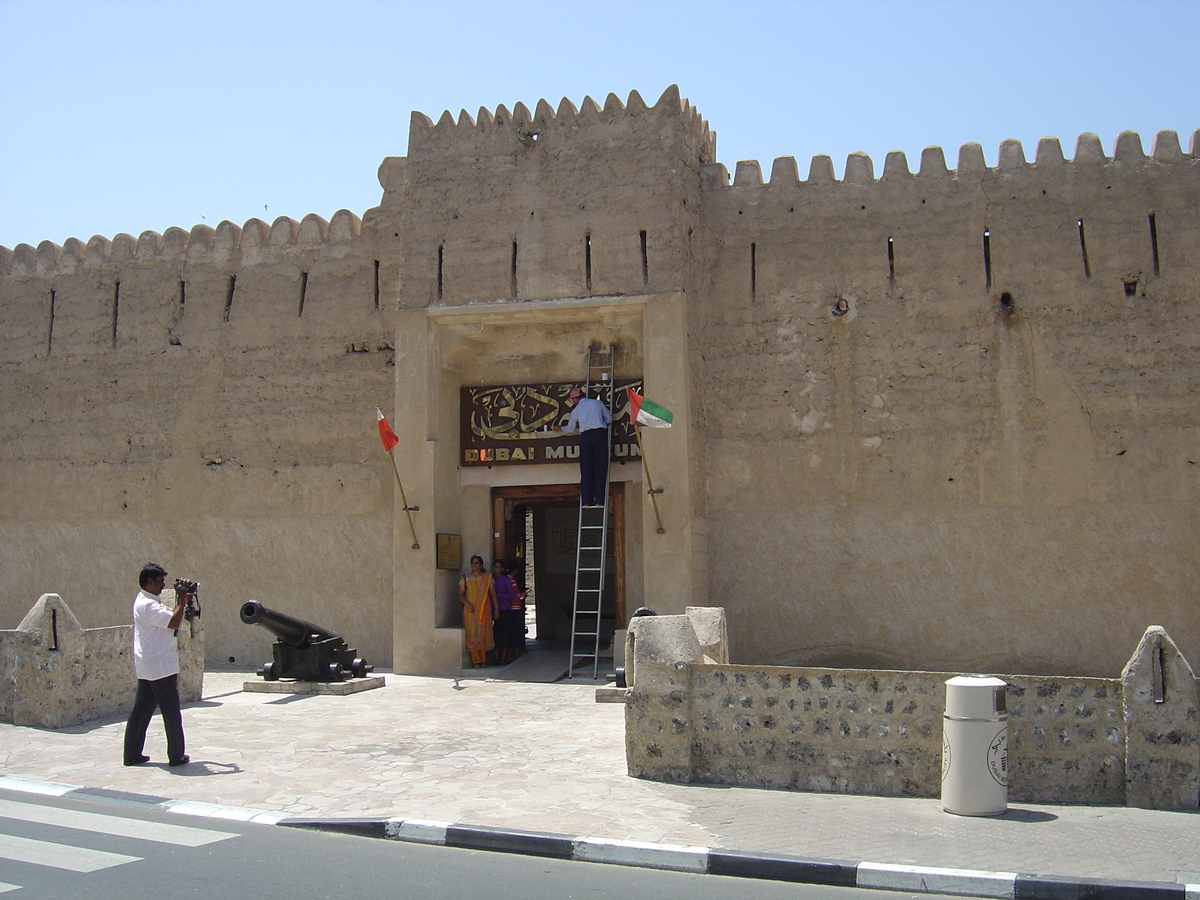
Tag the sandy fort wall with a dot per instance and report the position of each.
(204, 399)
(952, 413)
(937, 419)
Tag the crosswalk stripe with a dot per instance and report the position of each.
(5, 888)
(181, 835)
(59, 856)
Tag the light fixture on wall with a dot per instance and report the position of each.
(841, 307)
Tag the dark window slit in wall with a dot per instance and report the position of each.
(512, 275)
(891, 259)
(1154, 242)
(116, 306)
(376, 284)
(587, 261)
(303, 293)
(1087, 268)
(987, 260)
(182, 293)
(50, 329)
(753, 271)
(229, 297)
(441, 258)
(645, 259)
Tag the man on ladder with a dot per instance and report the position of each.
(591, 418)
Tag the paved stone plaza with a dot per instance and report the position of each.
(547, 757)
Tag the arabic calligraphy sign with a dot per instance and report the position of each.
(513, 424)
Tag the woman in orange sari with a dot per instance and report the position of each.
(478, 596)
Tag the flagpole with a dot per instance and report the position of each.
(389, 444)
(653, 491)
(407, 509)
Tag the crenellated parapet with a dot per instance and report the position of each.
(548, 203)
(507, 131)
(1049, 160)
(252, 242)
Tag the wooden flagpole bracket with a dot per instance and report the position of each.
(408, 510)
(653, 491)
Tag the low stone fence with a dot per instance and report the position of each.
(691, 717)
(55, 673)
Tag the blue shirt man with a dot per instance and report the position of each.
(591, 419)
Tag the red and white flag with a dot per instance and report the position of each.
(386, 434)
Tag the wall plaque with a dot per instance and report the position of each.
(449, 551)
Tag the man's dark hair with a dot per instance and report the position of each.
(150, 570)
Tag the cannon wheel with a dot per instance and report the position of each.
(335, 671)
(358, 668)
(269, 672)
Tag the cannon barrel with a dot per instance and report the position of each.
(292, 631)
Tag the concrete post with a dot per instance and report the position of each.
(711, 631)
(1162, 739)
(658, 731)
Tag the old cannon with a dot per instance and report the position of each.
(304, 651)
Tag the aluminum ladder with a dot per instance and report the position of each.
(591, 544)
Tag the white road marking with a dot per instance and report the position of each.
(59, 856)
(180, 835)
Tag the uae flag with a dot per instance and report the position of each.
(647, 412)
(386, 434)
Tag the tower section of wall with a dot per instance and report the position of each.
(957, 425)
(206, 399)
(551, 203)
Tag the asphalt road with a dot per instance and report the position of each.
(67, 848)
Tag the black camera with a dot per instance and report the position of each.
(192, 610)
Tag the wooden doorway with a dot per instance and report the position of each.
(510, 505)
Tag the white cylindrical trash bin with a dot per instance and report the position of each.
(975, 747)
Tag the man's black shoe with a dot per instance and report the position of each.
(138, 761)
(182, 761)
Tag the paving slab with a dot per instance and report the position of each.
(549, 758)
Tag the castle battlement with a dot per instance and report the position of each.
(255, 241)
(1049, 162)
(546, 123)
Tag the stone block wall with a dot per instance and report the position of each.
(879, 732)
(55, 673)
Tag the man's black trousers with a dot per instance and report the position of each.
(162, 694)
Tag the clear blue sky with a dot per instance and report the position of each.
(125, 116)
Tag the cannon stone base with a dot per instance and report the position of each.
(314, 687)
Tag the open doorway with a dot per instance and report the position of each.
(534, 530)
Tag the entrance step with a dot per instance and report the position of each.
(536, 666)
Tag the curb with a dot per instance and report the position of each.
(795, 869)
(694, 860)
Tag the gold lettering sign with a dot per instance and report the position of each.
(513, 424)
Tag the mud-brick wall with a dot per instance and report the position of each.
(1132, 740)
(204, 400)
(54, 673)
(550, 203)
(880, 732)
(986, 459)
